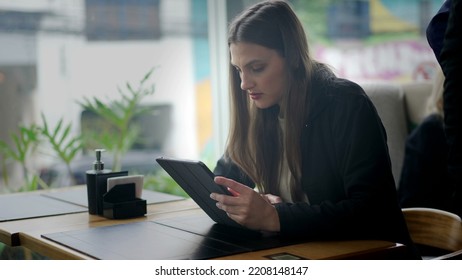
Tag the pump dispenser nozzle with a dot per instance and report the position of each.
(98, 165)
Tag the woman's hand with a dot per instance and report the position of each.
(248, 207)
(271, 198)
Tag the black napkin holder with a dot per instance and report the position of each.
(120, 202)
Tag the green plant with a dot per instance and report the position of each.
(23, 145)
(162, 182)
(26, 142)
(120, 135)
(118, 138)
(64, 145)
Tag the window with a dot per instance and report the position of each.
(57, 53)
(370, 40)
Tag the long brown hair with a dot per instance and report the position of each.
(255, 140)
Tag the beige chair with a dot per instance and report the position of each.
(388, 99)
(436, 229)
(401, 107)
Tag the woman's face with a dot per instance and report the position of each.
(262, 72)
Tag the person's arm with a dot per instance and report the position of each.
(451, 63)
(423, 181)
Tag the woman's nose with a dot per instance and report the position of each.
(246, 82)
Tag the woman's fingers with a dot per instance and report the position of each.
(273, 199)
(233, 185)
(246, 206)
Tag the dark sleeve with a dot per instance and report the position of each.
(226, 168)
(368, 207)
(451, 63)
(423, 181)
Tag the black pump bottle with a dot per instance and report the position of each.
(97, 183)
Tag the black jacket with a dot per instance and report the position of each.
(424, 178)
(451, 63)
(346, 170)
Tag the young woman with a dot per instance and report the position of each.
(311, 143)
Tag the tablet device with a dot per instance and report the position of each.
(196, 179)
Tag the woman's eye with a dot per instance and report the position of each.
(258, 69)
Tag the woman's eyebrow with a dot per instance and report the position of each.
(248, 64)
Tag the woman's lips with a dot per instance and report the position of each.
(255, 96)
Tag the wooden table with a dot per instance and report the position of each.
(329, 250)
(30, 236)
(28, 233)
(9, 230)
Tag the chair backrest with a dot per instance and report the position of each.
(434, 228)
(388, 99)
(416, 95)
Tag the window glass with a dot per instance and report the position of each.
(371, 40)
(58, 55)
